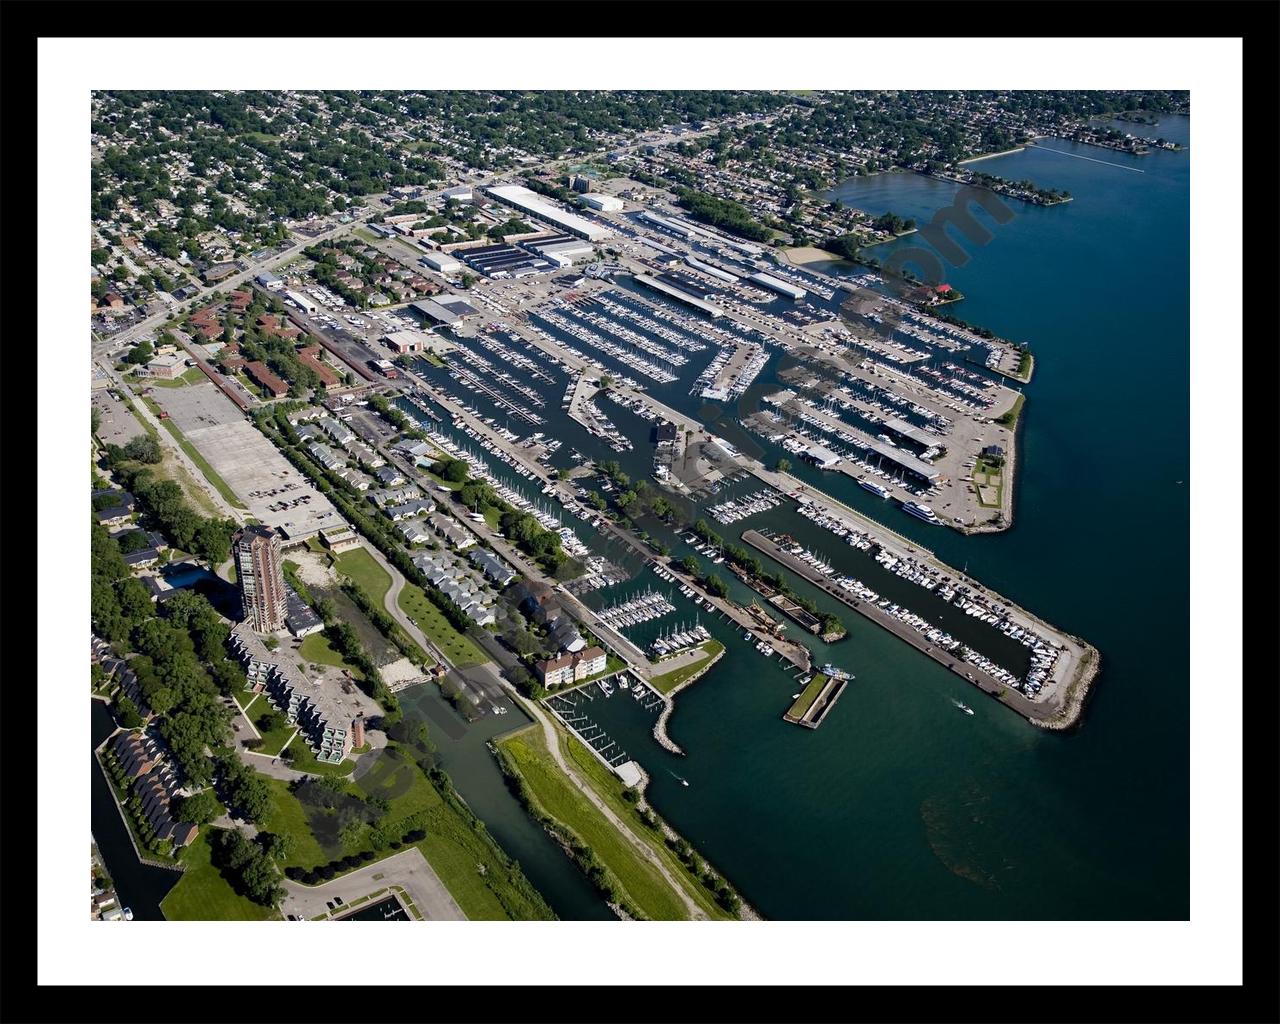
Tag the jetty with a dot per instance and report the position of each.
(817, 698)
(1059, 707)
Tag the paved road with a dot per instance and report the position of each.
(408, 869)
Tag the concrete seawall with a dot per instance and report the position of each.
(981, 679)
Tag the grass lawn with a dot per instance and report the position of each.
(808, 695)
(670, 680)
(367, 236)
(287, 817)
(558, 798)
(305, 761)
(202, 894)
(274, 739)
(442, 481)
(453, 847)
(610, 787)
(430, 619)
(477, 874)
(985, 475)
(317, 649)
(368, 575)
(491, 516)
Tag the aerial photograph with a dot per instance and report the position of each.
(640, 505)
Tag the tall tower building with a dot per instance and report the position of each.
(261, 577)
(357, 731)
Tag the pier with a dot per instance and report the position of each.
(817, 698)
(1039, 711)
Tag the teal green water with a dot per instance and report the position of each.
(898, 806)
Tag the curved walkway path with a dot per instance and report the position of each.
(549, 733)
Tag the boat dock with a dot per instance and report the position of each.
(817, 698)
(796, 613)
(1033, 710)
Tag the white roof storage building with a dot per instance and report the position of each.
(531, 203)
(598, 201)
(781, 287)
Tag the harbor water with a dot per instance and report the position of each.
(899, 807)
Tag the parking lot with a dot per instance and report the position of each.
(196, 406)
(276, 493)
(116, 424)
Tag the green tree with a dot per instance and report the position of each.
(199, 809)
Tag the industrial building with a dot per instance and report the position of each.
(407, 341)
(598, 201)
(670, 226)
(563, 249)
(431, 311)
(504, 261)
(441, 263)
(529, 202)
(461, 193)
(781, 287)
(307, 305)
(671, 291)
(269, 281)
(712, 271)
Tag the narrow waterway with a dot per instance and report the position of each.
(141, 887)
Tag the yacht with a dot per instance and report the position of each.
(874, 488)
(963, 706)
(915, 508)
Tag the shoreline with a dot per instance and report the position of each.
(992, 156)
(1008, 488)
(1078, 691)
(811, 254)
(660, 726)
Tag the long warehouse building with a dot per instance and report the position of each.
(714, 312)
(781, 287)
(529, 202)
(707, 268)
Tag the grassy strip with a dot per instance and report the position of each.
(670, 680)
(1010, 418)
(431, 620)
(611, 862)
(810, 693)
(202, 894)
(610, 788)
(486, 883)
(202, 463)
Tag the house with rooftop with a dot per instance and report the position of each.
(457, 538)
(494, 568)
